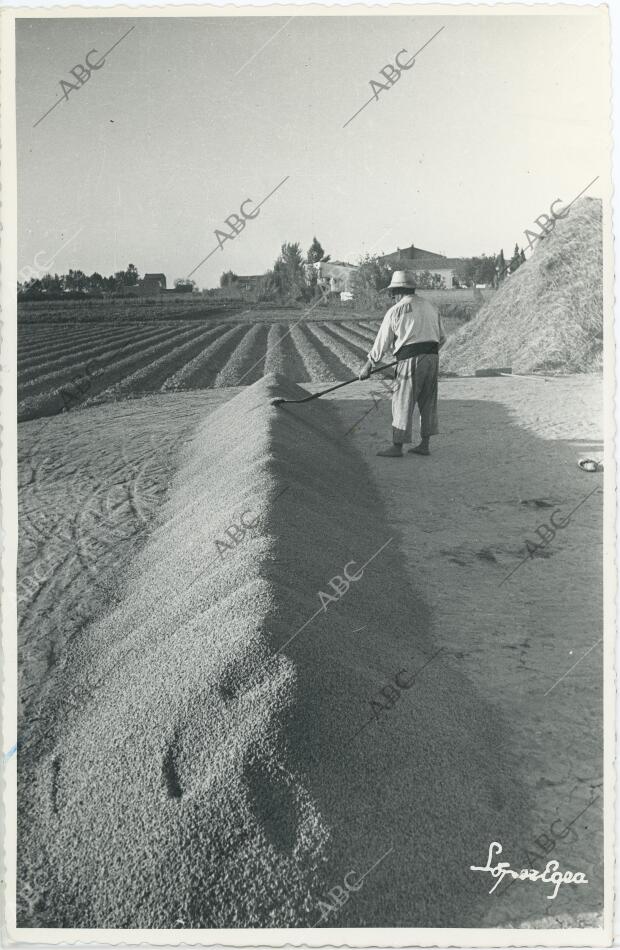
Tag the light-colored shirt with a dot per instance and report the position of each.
(411, 320)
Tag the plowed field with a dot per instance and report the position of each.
(61, 368)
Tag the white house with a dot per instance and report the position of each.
(335, 277)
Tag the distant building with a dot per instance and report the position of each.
(249, 282)
(418, 260)
(334, 276)
(153, 283)
(182, 287)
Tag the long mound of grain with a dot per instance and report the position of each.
(239, 743)
(548, 316)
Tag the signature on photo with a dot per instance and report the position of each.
(550, 875)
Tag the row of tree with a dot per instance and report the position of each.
(77, 282)
(490, 269)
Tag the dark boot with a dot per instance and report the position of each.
(422, 448)
(395, 451)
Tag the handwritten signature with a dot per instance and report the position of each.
(551, 874)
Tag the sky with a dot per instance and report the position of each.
(188, 117)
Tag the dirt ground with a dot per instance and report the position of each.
(502, 467)
(505, 460)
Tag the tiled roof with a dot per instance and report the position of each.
(434, 263)
(412, 253)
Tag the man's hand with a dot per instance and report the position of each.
(366, 370)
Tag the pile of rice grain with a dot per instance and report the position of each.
(547, 316)
(228, 768)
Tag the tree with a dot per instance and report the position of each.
(228, 278)
(485, 269)
(126, 278)
(119, 280)
(372, 273)
(426, 280)
(53, 284)
(289, 273)
(316, 253)
(131, 275)
(370, 280)
(465, 271)
(500, 266)
(76, 280)
(515, 261)
(478, 270)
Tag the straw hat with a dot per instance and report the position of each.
(402, 280)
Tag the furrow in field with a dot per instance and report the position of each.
(339, 352)
(48, 356)
(282, 355)
(62, 333)
(29, 344)
(200, 372)
(356, 344)
(245, 364)
(29, 333)
(62, 337)
(371, 325)
(74, 365)
(311, 352)
(101, 341)
(52, 402)
(359, 331)
(41, 329)
(151, 378)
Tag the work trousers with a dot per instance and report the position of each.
(415, 382)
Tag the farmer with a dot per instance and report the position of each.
(412, 329)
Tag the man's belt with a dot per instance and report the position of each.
(415, 349)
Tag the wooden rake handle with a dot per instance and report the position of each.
(356, 379)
